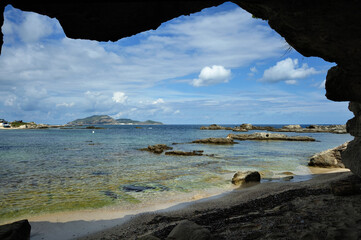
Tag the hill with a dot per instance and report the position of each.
(106, 120)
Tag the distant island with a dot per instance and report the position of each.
(106, 120)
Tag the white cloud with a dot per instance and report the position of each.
(291, 82)
(67, 105)
(158, 101)
(176, 111)
(212, 75)
(119, 97)
(287, 70)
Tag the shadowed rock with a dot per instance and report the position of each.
(220, 141)
(269, 136)
(187, 230)
(329, 158)
(19, 230)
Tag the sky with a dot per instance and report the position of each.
(219, 65)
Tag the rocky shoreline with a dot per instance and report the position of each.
(339, 129)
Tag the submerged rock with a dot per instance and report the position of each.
(19, 230)
(158, 148)
(221, 141)
(181, 153)
(187, 230)
(246, 177)
(269, 136)
(329, 158)
(142, 188)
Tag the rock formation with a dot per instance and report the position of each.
(329, 158)
(182, 153)
(219, 141)
(268, 136)
(19, 230)
(215, 127)
(158, 148)
(245, 177)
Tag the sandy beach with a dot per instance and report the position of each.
(273, 202)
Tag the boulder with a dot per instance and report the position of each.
(329, 158)
(239, 129)
(221, 141)
(246, 177)
(181, 153)
(187, 230)
(158, 148)
(19, 230)
(268, 136)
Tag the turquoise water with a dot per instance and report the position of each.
(51, 170)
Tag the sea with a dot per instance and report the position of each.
(55, 170)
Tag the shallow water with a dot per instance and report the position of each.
(51, 170)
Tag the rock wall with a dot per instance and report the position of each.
(352, 155)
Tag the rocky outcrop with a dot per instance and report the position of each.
(215, 127)
(157, 149)
(329, 158)
(182, 153)
(219, 141)
(187, 230)
(259, 136)
(240, 178)
(15, 231)
(340, 129)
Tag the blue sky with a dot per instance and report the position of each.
(216, 66)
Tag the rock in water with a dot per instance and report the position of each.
(329, 158)
(158, 148)
(187, 230)
(246, 177)
(16, 231)
(268, 136)
(220, 141)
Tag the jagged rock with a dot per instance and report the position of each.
(181, 153)
(158, 148)
(245, 177)
(268, 136)
(340, 129)
(220, 141)
(187, 230)
(215, 127)
(19, 230)
(329, 158)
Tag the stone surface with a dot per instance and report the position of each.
(245, 177)
(351, 156)
(158, 148)
(187, 230)
(19, 230)
(215, 127)
(268, 136)
(350, 186)
(182, 153)
(292, 126)
(220, 141)
(329, 158)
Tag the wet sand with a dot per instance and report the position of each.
(213, 212)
